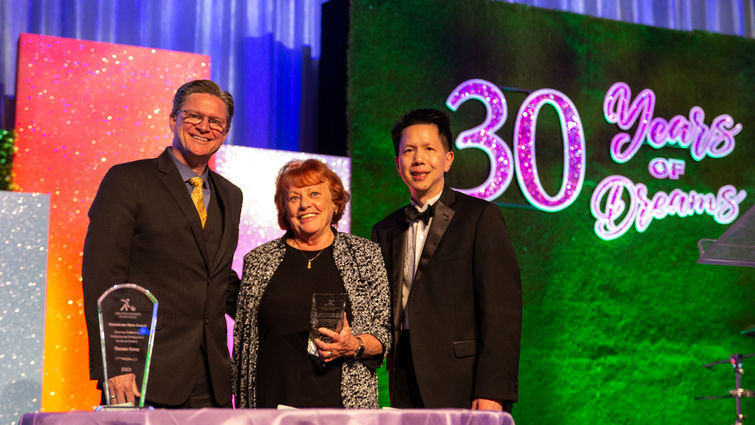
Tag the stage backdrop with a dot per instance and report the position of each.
(612, 149)
(83, 107)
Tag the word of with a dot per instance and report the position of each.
(662, 168)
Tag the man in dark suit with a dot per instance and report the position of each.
(153, 223)
(455, 285)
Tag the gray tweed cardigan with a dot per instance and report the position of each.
(362, 270)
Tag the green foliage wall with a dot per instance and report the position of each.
(614, 331)
(7, 150)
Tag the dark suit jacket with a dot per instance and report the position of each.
(144, 229)
(465, 305)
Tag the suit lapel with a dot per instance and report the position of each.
(221, 196)
(441, 219)
(177, 189)
(398, 246)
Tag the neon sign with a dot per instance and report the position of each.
(483, 137)
(609, 224)
(573, 138)
(614, 216)
(716, 140)
(662, 168)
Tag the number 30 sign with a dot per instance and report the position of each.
(504, 164)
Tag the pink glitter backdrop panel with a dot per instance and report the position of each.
(81, 108)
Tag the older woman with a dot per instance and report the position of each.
(270, 362)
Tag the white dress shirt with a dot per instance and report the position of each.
(414, 243)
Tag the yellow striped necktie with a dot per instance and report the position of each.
(198, 198)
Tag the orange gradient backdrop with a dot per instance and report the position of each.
(81, 108)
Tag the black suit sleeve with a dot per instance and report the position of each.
(232, 294)
(107, 248)
(499, 297)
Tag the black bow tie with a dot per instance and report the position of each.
(413, 214)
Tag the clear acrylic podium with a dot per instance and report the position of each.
(736, 247)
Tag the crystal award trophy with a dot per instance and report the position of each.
(327, 312)
(128, 315)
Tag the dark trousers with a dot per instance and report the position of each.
(201, 393)
(404, 389)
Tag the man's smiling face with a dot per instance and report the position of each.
(195, 143)
(422, 161)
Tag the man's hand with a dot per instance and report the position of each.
(123, 389)
(486, 404)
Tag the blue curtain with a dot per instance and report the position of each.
(266, 52)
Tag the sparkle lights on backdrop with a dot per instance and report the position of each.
(23, 269)
(84, 107)
(81, 108)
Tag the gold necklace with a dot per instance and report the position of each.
(309, 260)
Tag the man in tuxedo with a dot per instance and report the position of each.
(170, 225)
(455, 285)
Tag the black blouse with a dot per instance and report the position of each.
(286, 374)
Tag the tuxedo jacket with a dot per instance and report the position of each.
(464, 306)
(144, 229)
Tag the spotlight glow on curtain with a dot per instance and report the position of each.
(265, 52)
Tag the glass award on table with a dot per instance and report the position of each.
(128, 315)
(327, 312)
